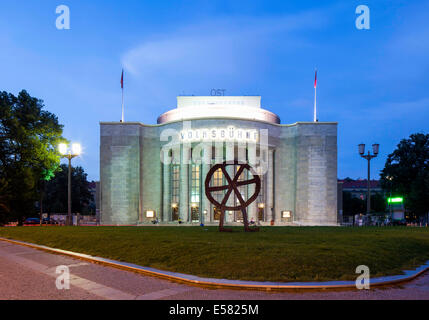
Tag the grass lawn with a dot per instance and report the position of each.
(273, 254)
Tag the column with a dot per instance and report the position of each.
(289, 179)
(184, 183)
(269, 196)
(205, 168)
(166, 210)
(219, 158)
(229, 156)
(252, 208)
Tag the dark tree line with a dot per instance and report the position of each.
(406, 173)
(353, 205)
(55, 191)
(29, 137)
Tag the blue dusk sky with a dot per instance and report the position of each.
(374, 82)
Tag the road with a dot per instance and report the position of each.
(27, 273)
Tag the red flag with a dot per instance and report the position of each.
(122, 79)
(315, 80)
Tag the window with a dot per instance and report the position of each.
(175, 184)
(261, 196)
(217, 181)
(195, 184)
(243, 189)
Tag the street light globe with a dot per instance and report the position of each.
(361, 148)
(375, 148)
(62, 148)
(76, 149)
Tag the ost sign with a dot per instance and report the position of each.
(217, 92)
(219, 134)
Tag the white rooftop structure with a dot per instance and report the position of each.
(209, 107)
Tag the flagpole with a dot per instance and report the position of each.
(122, 118)
(315, 96)
(315, 109)
(122, 87)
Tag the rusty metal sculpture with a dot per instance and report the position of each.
(232, 186)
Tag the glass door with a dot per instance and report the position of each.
(261, 214)
(195, 214)
(216, 214)
(175, 214)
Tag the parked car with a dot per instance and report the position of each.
(32, 221)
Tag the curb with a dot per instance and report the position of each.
(225, 283)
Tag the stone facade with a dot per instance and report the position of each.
(138, 187)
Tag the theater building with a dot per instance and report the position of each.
(157, 171)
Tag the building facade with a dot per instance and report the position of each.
(359, 188)
(157, 172)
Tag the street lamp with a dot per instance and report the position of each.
(368, 157)
(390, 178)
(69, 153)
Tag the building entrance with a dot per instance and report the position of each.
(195, 214)
(238, 216)
(175, 214)
(216, 214)
(261, 214)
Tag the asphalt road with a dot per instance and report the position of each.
(27, 273)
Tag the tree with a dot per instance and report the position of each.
(378, 202)
(406, 173)
(56, 197)
(29, 137)
(352, 205)
(4, 202)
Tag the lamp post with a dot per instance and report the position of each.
(390, 178)
(68, 153)
(368, 157)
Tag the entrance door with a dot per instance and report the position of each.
(261, 214)
(175, 214)
(216, 214)
(195, 214)
(238, 216)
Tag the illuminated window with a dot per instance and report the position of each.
(175, 183)
(243, 189)
(243, 192)
(195, 184)
(216, 182)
